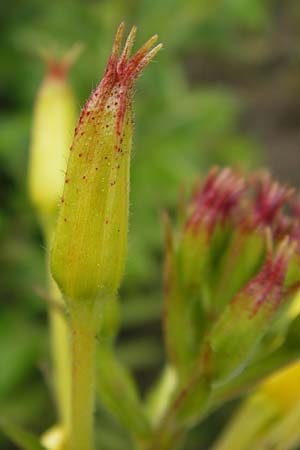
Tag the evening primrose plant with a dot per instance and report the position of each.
(231, 275)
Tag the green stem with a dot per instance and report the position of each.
(83, 335)
(60, 349)
(59, 338)
(188, 404)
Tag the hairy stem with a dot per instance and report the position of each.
(83, 336)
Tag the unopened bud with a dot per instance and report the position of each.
(90, 244)
(53, 122)
(246, 319)
(283, 388)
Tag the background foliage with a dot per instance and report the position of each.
(225, 90)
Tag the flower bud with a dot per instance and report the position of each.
(265, 414)
(53, 122)
(283, 388)
(90, 243)
(244, 322)
(212, 207)
(188, 262)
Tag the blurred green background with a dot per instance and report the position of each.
(224, 90)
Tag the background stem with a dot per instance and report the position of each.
(60, 349)
(59, 340)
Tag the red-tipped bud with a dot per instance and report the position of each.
(217, 200)
(89, 250)
(269, 197)
(244, 322)
(267, 287)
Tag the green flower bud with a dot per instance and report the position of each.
(90, 243)
(53, 122)
(237, 333)
(207, 226)
(188, 263)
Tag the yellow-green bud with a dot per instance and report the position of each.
(90, 243)
(53, 122)
(283, 388)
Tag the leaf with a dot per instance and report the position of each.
(117, 392)
(22, 438)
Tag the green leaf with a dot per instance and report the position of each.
(22, 438)
(118, 393)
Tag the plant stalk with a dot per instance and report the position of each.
(60, 342)
(60, 349)
(83, 348)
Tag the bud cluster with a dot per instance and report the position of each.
(230, 275)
